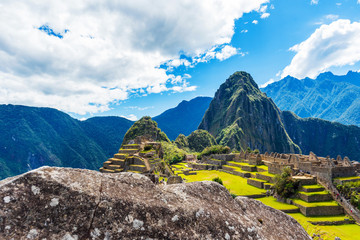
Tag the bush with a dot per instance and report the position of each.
(216, 149)
(172, 154)
(285, 186)
(218, 180)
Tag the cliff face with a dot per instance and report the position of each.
(323, 137)
(240, 115)
(60, 203)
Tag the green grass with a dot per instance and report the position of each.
(344, 232)
(258, 180)
(348, 178)
(264, 167)
(235, 184)
(272, 202)
(312, 186)
(241, 164)
(315, 204)
(266, 174)
(315, 193)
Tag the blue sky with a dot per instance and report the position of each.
(135, 58)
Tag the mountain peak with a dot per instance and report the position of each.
(239, 116)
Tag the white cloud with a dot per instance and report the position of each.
(108, 48)
(265, 15)
(226, 52)
(314, 2)
(267, 83)
(332, 17)
(358, 1)
(130, 117)
(244, 31)
(255, 22)
(333, 45)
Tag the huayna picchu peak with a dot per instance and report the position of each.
(241, 116)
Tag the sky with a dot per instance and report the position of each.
(137, 58)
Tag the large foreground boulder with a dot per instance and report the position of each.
(64, 203)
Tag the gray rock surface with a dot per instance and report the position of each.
(64, 203)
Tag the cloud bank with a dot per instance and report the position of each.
(333, 45)
(80, 56)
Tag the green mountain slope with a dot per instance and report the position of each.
(32, 137)
(241, 116)
(323, 137)
(330, 97)
(184, 118)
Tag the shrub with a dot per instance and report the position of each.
(172, 154)
(285, 186)
(216, 149)
(218, 180)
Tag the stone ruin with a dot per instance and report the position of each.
(141, 155)
(321, 167)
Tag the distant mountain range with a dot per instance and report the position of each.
(32, 137)
(184, 118)
(329, 97)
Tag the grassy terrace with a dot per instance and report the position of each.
(344, 232)
(264, 167)
(315, 204)
(312, 186)
(241, 164)
(349, 178)
(272, 202)
(266, 174)
(235, 184)
(315, 193)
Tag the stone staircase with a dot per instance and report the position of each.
(124, 160)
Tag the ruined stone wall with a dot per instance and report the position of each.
(343, 172)
(322, 172)
(223, 157)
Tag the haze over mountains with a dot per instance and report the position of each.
(239, 115)
(329, 97)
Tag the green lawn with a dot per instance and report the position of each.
(235, 184)
(349, 178)
(315, 193)
(241, 164)
(272, 202)
(264, 167)
(344, 232)
(312, 186)
(315, 204)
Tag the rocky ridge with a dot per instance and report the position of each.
(64, 203)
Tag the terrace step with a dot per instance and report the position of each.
(128, 151)
(104, 170)
(131, 146)
(312, 188)
(330, 208)
(256, 182)
(264, 177)
(248, 168)
(137, 168)
(236, 171)
(315, 196)
(114, 167)
(116, 161)
(120, 156)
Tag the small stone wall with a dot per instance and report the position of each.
(315, 198)
(264, 177)
(248, 168)
(255, 183)
(343, 172)
(321, 210)
(328, 223)
(199, 166)
(223, 157)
